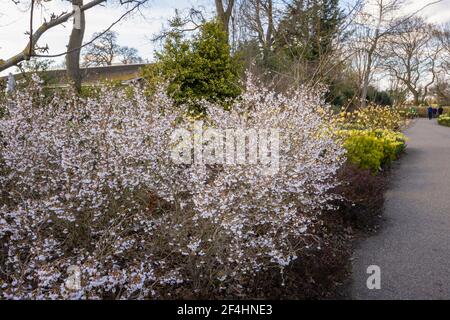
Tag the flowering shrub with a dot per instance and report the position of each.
(90, 184)
(371, 136)
(76, 179)
(444, 120)
(371, 118)
(373, 149)
(408, 112)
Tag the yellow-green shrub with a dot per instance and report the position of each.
(408, 112)
(444, 120)
(372, 118)
(372, 149)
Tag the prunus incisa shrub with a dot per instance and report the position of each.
(89, 184)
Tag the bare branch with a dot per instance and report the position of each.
(55, 21)
(97, 35)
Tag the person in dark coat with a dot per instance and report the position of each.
(440, 111)
(430, 112)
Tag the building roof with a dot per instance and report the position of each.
(94, 75)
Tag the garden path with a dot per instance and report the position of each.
(412, 248)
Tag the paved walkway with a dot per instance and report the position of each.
(412, 248)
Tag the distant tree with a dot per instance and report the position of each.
(197, 68)
(441, 88)
(379, 20)
(105, 50)
(129, 55)
(343, 89)
(309, 27)
(378, 97)
(306, 37)
(412, 55)
(258, 20)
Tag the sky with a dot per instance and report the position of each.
(135, 31)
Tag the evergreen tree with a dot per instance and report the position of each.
(308, 28)
(198, 68)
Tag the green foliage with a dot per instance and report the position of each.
(197, 68)
(2, 110)
(408, 112)
(364, 151)
(89, 91)
(373, 149)
(381, 98)
(444, 120)
(342, 91)
(308, 28)
(94, 91)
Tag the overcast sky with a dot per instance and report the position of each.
(135, 31)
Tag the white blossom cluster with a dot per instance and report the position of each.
(89, 182)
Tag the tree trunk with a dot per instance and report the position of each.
(370, 56)
(365, 84)
(74, 49)
(224, 14)
(267, 45)
(416, 98)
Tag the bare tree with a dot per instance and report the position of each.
(376, 22)
(397, 91)
(258, 17)
(105, 50)
(224, 9)
(378, 19)
(441, 88)
(411, 55)
(32, 49)
(129, 55)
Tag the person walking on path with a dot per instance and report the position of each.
(430, 112)
(440, 111)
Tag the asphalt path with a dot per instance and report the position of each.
(412, 248)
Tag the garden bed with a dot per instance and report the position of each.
(90, 185)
